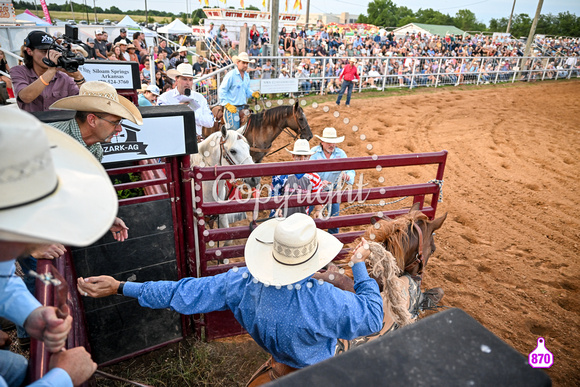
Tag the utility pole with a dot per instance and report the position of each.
(186, 11)
(510, 21)
(95, 9)
(275, 19)
(72, 10)
(307, 15)
(87, 11)
(533, 29)
(146, 16)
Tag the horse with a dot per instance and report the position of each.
(263, 128)
(225, 147)
(400, 249)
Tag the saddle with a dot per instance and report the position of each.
(270, 370)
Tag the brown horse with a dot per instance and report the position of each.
(263, 128)
(400, 249)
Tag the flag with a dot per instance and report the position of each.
(263, 3)
(298, 4)
(242, 3)
(206, 3)
(286, 9)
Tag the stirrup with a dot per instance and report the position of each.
(430, 298)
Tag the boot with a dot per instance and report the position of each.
(430, 298)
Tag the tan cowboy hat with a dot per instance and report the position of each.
(53, 188)
(284, 69)
(182, 49)
(282, 252)
(301, 148)
(182, 70)
(329, 135)
(242, 56)
(130, 45)
(97, 96)
(121, 42)
(352, 60)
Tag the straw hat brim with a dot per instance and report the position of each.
(300, 153)
(79, 212)
(267, 270)
(236, 58)
(173, 73)
(94, 103)
(331, 140)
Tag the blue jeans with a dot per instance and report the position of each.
(12, 367)
(232, 118)
(27, 264)
(334, 211)
(343, 87)
(306, 86)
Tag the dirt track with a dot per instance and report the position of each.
(508, 251)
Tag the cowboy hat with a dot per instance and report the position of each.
(352, 60)
(97, 96)
(243, 57)
(121, 42)
(329, 136)
(183, 70)
(285, 251)
(182, 49)
(53, 189)
(301, 148)
(284, 69)
(130, 46)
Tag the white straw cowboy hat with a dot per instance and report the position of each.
(121, 42)
(182, 70)
(182, 49)
(353, 60)
(242, 56)
(97, 96)
(329, 135)
(53, 189)
(282, 252)
(301, 148)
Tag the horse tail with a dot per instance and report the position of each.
(383, 267)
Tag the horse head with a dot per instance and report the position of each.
(300, 125)
(235, 150)
(409, 238)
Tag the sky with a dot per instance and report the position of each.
(484, 10)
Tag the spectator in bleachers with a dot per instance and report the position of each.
(122, 35)
(100, 45)
(178, 57)
(200, 66)
(149, 96)
(5, 67)
(131, 51)
(303, 79)
(163, 47)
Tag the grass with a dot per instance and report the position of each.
(78, 16)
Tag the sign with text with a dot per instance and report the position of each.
(119, 74)
(222, 13)
(7, 14)
(279, 85)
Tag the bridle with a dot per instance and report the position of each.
(226, 155)
(253, 148)
(415, 268)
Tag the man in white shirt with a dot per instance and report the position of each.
(183, 94)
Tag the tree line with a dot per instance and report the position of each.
(386, 13)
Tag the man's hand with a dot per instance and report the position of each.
(361, 252)
(256, 94)
(5, 340)
(48, 251)
(119, 230)
(76, 362)
(43, 325)
(97, 287)
(231, 108)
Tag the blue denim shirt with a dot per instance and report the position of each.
(297, 324)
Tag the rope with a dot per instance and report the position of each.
(440, 199)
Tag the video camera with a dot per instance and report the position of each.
(68, 60)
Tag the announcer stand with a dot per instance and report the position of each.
(117, 328)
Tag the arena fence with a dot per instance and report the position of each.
(411, 72)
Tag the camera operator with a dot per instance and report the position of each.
(37, 84)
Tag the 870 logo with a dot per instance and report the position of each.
(541, 357)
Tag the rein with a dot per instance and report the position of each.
(415, 268)
(253, 148)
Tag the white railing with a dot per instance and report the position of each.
(410, 72)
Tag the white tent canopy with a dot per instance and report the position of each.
(128, 22)
(175, 27)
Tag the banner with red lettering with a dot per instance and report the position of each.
(45, 10)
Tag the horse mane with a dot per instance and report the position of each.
(271, 117)
(393, 234)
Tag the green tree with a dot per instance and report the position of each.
(567, 24)
(252, 8)
(521, 25)
(498, 25)
(382, 13)
(430, 16)
(465, 19)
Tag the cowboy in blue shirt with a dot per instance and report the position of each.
(235, 90)
(288, 312)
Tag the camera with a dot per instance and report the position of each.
(68, 60)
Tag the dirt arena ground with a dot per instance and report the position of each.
(508, 251)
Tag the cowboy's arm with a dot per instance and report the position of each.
(16, 302)
(203, 115)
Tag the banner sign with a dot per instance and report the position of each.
(7, 13)
(120, 74)
(220, 13)
(279, 85)
(45, 10)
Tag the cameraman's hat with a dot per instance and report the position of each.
(100, 97)
(38, 40)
